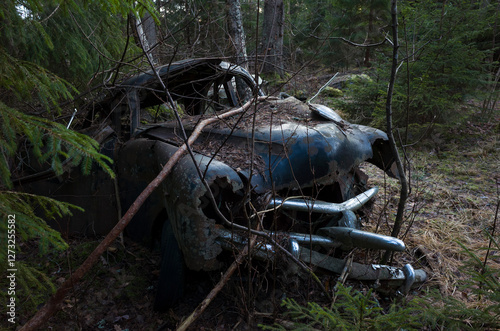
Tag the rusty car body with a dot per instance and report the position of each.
(287, 167)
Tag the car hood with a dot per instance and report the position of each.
(288, 151)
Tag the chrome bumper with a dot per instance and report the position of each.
(299, 244)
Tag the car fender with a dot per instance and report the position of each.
(182, 194)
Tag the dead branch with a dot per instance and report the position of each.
(347, 41)
(388, 108)
(493, 228)
(53, 305)
(224, 279)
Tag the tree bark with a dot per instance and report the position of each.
(146, 33)
(149, 28)
(367, 60)
(272, 39)
(236, 32)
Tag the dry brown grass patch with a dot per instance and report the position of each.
(452, 201)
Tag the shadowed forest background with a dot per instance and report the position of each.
(58, 55)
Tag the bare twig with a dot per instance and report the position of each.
(493, 228)
(362, 45)
(213, 293)
(51, 14)
(402, 176)
(323, 87)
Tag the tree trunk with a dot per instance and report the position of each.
(149, 27)
(146, 34)
(236, 32)
(272, 39)
(367, 60)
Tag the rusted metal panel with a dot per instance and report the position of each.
(180, 195)
(294, 147)
(95, 193)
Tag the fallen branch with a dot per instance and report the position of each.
(53, 305)
(224, 279)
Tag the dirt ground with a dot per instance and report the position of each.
(455, 184)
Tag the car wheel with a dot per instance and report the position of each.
(171, 281)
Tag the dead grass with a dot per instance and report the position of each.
(453, 199)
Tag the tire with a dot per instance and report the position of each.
(171, 281)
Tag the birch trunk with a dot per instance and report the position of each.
(236, 32)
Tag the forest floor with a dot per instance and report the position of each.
(455, 184)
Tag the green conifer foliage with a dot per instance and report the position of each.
(444, 63)
(352, 310)
(46, 49)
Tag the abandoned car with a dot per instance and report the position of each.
(283, 167)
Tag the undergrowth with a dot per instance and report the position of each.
(354, 310)
(479, 310)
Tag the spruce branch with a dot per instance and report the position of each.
(53, 305)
